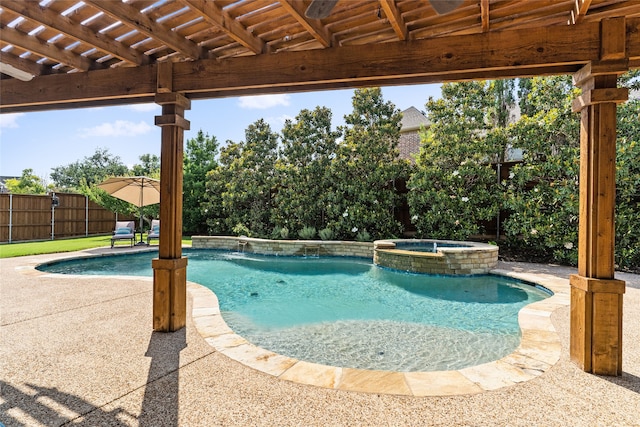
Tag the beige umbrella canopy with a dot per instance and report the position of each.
(137, 190)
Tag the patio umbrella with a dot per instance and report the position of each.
(137, 190)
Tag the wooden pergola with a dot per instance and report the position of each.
(57, 54)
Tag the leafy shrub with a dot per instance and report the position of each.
(628, 187)
(363, 236)
(327, 234)
(454, 186)
(307, 233)
(241, 230)
(280, 233)
(542, 194)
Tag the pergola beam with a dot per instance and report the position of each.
(526, 52)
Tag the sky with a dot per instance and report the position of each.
(45, 140)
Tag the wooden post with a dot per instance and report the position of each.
(170, 268)
(596, 297)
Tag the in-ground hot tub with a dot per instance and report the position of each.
(435, 256)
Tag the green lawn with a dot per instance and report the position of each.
(52, 246)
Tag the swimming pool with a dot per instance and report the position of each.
(348, 312)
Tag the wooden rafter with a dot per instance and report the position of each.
(35, 45)
(130, 16)
(214, 15)
(21, 64)
(484, 12)
(313, 26)
(395, 18)
(66, 26)
(579, 11)
(625, 8)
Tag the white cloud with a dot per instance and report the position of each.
(277, 123)
(9, 120)
(117, 128)
(143, 108)
(262, 102)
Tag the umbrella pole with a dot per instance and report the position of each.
(141, 242)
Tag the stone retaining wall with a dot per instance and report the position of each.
(285, 247)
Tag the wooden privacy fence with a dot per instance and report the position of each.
(26, 217)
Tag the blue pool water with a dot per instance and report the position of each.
(348, 312)
(427, 246)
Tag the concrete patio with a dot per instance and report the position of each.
(80, 351)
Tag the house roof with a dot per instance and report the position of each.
(412, 120)
(95, 52)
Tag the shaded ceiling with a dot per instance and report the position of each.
(68, 53)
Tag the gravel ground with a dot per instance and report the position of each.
(80, 350)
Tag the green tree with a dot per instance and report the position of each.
(245, 183)
(28, 183)
(111, 203)
(84, 176)
(92, 169)
(217, 219)
(542, 195)
(524, 88)
(199, 158)
(365, 170)
(304, 171)
(149, 166)
(454, 186)
(628, 179)
(502, 101)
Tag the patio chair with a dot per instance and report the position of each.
(154, 232)
(125, 230)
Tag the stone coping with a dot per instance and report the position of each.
(538, 351)
(460, 245)
(285, 247)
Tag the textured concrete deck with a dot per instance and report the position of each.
(80, 350)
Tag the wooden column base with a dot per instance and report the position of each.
(169, 294)
(596, 324)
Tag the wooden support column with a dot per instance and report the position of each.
(170, 268)
(596, 297)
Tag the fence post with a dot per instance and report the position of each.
(86, 215)
(53, 215)
(10, 216)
